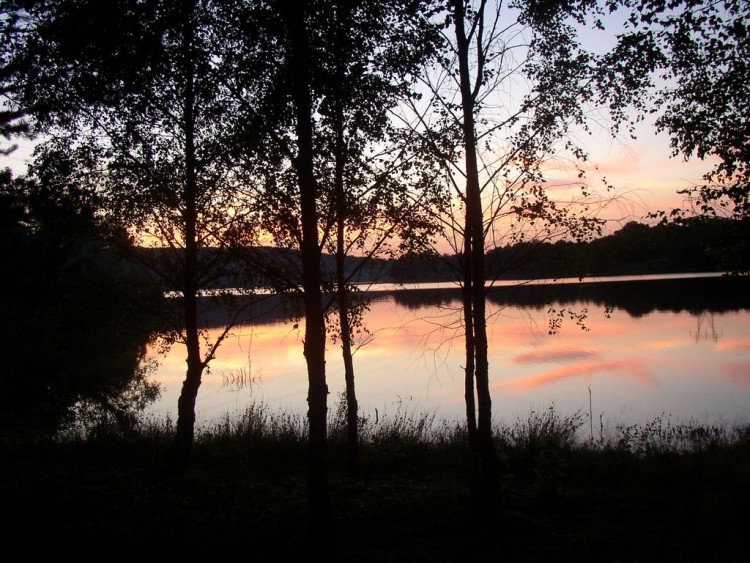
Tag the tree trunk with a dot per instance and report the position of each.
(179, 454)
(471, 412)
(315, 333)
(488, 483)
(352, 408)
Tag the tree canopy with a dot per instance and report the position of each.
(698, 53)
(211, 128)
(78, 314)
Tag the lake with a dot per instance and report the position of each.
(649, 346)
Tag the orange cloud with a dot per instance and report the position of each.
(632, 368)
(668, 344)
(733, 346)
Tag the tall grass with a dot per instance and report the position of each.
(542, 429)
(633, 490)
(408, 430)
(662, 435)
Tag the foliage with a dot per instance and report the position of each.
(109, 89)
(79, 312)
(362, 61)
(534, 89)
(698, 52)
(637, 248)
(13, 122)
(135, 112)
(112, 91)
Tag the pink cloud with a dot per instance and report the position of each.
(631, 368)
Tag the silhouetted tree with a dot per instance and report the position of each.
(74, 305)
(697, 52)
(496, 141)
(299, 67)
(331, 172)
(378, 195)
(12, 122)
(473, 266)
(127, 95)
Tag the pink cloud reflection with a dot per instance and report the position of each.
(738, 372)
(552, 356)
(635, 369)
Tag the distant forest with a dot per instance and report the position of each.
(700, 245)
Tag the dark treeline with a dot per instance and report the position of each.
(636, 249)
(705, 245)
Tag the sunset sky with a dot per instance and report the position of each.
(641, 171)
(644, 176)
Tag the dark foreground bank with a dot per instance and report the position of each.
(655, 493)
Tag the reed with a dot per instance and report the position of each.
(664, 490)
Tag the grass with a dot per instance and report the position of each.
(658, 492)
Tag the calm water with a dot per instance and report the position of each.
(647, 348)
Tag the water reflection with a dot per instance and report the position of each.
(648, 348)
